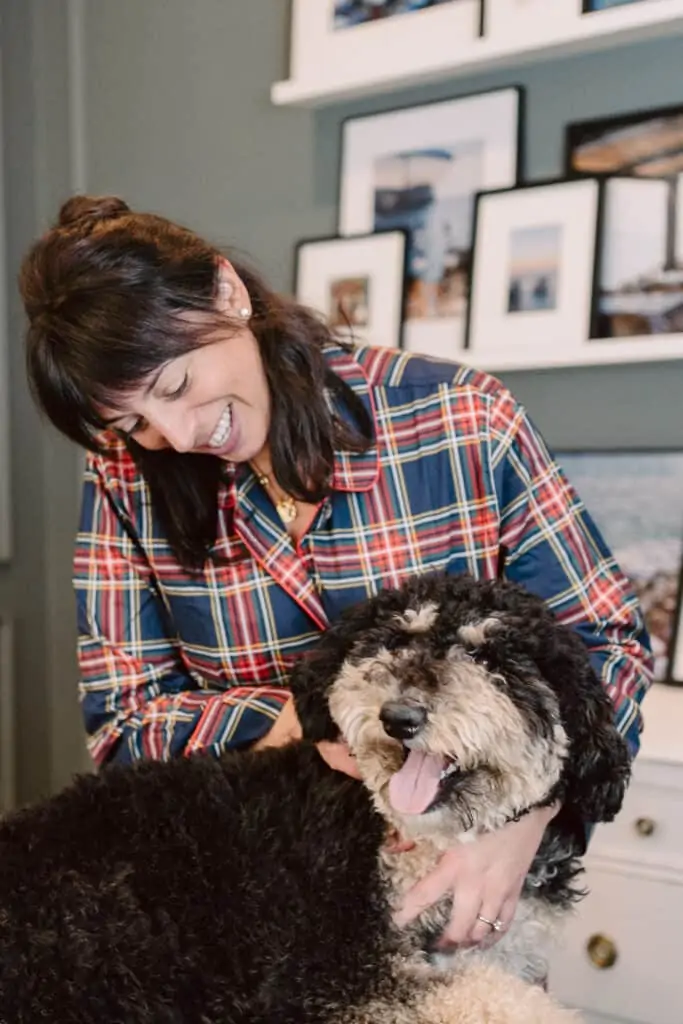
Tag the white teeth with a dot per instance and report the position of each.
(451, 767)
(223, 428)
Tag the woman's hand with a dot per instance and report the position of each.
(485, 877)
(286, 729)
(338, 756)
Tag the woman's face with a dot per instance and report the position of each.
(213, 400)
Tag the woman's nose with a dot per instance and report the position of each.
(175, 428)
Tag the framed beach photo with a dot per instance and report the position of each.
(7, 718)
(635, 498)
(357, 284)
(640, 271)
(354, 44)
(641, 247)
(533, 270)
(419, 169)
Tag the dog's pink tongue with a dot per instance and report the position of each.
(414, 786)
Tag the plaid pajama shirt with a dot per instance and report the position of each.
(173, 663)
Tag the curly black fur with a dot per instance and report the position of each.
(199, 890)
(249, 888)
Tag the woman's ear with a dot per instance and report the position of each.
(232, 298)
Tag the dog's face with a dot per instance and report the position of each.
(454, 724)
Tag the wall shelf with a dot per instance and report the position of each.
(654, 348)
(602, 30)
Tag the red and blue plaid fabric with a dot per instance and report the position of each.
(173, 662)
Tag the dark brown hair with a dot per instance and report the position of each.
(104, 290)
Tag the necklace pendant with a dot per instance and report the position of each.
(287, 510)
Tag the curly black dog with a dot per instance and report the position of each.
(258, 888)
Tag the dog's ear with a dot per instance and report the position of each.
(310, 682)
(598, 765)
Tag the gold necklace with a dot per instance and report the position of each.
(285, 507)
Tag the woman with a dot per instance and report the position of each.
(248, 477)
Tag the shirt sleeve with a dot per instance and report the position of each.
(139, 699)
(553, 548)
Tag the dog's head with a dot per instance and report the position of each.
(465, 703)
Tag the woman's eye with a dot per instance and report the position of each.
(180, 390)
(128, 432)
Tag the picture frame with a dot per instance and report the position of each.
(419, 169)
(635, 498)
(533, 273)
(356, 283)
(639, 280)
(527, 21)
(326, 54)
(7, 718)
(596, 6)
(643, 219)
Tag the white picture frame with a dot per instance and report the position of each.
(323, 56)
(357, 284)
(533, 273)
(528, 21)
(419, 169)
(7, 718)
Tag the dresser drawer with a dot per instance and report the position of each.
(638, 922)
(649, 828)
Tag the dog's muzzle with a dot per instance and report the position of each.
(402, 721)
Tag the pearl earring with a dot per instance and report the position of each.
(245, 312)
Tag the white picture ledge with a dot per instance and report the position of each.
(596, 352)
(318, 78)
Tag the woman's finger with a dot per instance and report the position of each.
(466, 904)
(427, 891)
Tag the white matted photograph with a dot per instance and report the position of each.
(533, 268)
(640, 279)
(528, 21)
(636, 500)
(357, 284)
(336, 44)
(7, 744)
(419, 169)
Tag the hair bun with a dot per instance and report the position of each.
(87, 211)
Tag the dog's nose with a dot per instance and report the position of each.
(402, 721)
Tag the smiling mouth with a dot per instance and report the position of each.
(417, 785)
(223, 429)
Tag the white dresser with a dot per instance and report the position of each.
(621, 960)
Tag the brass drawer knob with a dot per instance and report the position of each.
(602, 951)
(645, 826)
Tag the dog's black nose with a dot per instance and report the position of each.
(402, 721)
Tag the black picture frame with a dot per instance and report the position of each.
(349, 241)
(523, 186)
(425, 105)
